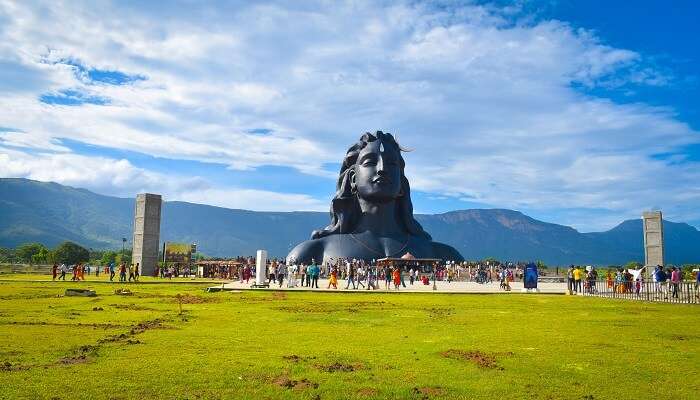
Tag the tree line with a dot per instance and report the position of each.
(65, 253)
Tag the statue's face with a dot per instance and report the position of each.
(378, 172)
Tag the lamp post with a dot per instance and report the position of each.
(434, 276)
(123, 244)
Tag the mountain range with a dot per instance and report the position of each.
(49, 213)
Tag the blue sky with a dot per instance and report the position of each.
(583, 113)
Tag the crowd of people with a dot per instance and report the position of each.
(359, 274)
(79, 271)
(661, 281)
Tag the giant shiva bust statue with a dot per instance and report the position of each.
(371, 213)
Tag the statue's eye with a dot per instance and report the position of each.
(368, 161)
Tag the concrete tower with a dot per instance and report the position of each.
(146, 232)
(653, 238)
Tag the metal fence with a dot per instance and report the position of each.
(667, 292)
(25, 269)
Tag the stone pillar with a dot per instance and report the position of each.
(261, 268)
(653, 239)
(146, 232)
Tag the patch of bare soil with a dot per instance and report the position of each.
(339, 367)
(440, 312)
(7, 366)
(144, 326)
(352, 307)
(279, 296)
(480, 358)
(428, 391)
(81, 355)
(93, 325)
(192, 299)
(123, 292)
(132, 307)
(295, 358)
(283, 381)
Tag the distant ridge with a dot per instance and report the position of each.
(32, 211)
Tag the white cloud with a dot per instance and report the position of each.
(120, 178)
(488, 104)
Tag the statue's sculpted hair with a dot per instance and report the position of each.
(345, 206)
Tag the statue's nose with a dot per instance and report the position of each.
(380, 164)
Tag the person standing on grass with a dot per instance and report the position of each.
(136, 272)
(54, 271)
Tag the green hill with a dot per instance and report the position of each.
(50, 213)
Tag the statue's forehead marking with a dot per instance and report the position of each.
(381, 147)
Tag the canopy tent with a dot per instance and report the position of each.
(225, 269)
(408, 260)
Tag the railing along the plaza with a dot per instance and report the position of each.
(685, 292)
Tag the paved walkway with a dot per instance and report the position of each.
(442, 287)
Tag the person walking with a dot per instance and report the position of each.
(411, 276)
(350, 276)
(361, 276)
(136, 272)
(281, 272)
(63, 270)
(122, 272)
(271, 272)
(54, 271)
(246, 273)
(396, 276)
(111, 271)
(333, 279)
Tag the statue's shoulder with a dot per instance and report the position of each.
(304, 252)
(446, 252)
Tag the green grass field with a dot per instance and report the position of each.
(339, 345)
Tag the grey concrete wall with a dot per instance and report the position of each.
(147, 232)
(653, 238)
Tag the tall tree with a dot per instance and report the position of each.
(71, 253)
(26, 251)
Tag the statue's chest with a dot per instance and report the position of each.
(368, 247)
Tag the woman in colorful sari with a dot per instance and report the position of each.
(333, 280)
(396, 274)
(609, 279)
